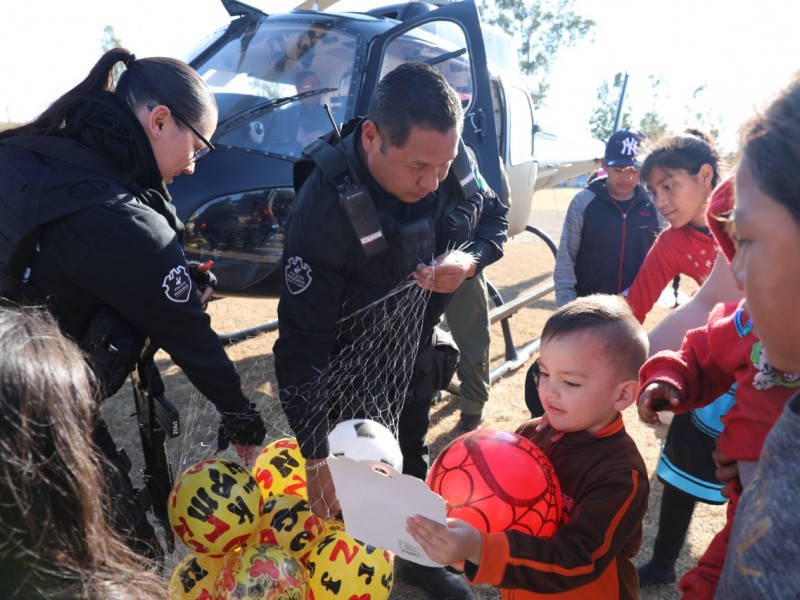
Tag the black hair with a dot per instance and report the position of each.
(770, 144)
(302, 76)
(688, 151)
(414, 94)
(156, 80)
(611, 319)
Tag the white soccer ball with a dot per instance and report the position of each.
(364, 439)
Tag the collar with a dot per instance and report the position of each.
(609, 430)
(105, 124)
(612, 428)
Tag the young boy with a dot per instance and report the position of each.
(609, 228)
(590, 356)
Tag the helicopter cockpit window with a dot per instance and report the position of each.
(271, 84)
(440, 43)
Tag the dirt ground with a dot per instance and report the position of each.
(528, 265)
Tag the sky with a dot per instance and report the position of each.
(742, 52)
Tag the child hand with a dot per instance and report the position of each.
(448, 545)
(657, 397)
(727, 470)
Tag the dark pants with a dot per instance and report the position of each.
(412, 431)
(128, 516)
(434, 367)
(673, 524)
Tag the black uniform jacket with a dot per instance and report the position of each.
(125, 253)
(327, 275)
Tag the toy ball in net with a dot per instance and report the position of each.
(341, 568)
(497, 480)
(280, 469)
(287, 521)
(363, 439)
(194, 576)
(262, 571)
(214, 506)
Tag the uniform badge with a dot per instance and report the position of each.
(297, 275)
(177, 284)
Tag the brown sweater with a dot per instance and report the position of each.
(605, 487)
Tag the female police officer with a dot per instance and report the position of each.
(102, 242)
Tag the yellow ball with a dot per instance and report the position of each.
(214, 506)
(287, 521)
(280, 469)
(341, 567)
(333, 526)
(262, 571)
(194, 576)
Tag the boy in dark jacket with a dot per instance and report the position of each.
(609, 228)
(591, 353)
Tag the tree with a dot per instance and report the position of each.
(652, 125)
(109, 42)
(540, 27)
(602, 120)
(700, 116)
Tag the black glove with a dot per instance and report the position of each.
(201, 275)
(246, 428)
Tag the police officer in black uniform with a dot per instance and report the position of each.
(89, 229)
(355, 232)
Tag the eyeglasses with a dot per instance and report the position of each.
(203, 152)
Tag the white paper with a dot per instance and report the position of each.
(376, 501)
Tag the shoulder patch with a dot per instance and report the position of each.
(177, 284)
(297, 275)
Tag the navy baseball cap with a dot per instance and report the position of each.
(625, 148)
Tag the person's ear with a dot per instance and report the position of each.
(706, 174)
(370, 138)
(626, 394)
(154, 120)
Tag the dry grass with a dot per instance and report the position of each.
(528, 264)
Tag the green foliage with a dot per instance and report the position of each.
(653, 125)
(700, 115)
(602, 120)
(109, 42)
(540, 27)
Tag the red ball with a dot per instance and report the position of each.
(496, 481)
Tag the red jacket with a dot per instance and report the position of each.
(605, 488)
(683, 251)
(710, 360)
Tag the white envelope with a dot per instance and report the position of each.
(376, 500)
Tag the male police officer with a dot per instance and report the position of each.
(402, 153)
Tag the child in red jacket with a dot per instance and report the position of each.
(680, 172)
(723, 353)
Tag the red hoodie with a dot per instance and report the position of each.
(710, 360)
(683, 251)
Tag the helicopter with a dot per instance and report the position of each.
(236, 205)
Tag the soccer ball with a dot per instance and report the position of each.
(214, 506)
(341, 568)
(287, 521)
(363, 439)
(261, 571)
(194, 576)
(280, 469)
(496, 481)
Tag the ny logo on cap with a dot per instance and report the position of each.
(629, 146)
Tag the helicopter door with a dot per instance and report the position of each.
(450, 39)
